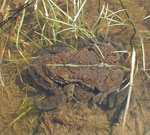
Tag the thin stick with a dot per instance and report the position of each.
(3, 5)
(79, 65)
(130, 87)
(132, 23)
(28, 3)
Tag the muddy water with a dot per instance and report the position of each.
(73, 119)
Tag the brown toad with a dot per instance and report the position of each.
(90, 73)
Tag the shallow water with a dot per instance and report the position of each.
(72, 119)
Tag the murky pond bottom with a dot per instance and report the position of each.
(79, 118)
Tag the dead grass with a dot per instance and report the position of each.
(56, 22)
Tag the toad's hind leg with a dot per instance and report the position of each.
(120, 114)
(50, 102)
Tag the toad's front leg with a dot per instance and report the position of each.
(69, 90)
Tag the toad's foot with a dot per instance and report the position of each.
(99, 97)
(51, 102)
(69, 90)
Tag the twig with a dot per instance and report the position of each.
(28, 3)
(81, 65)
(130, 87)
(3, 5)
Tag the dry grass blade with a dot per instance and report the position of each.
(3, 5)
(143, 51)
(81, 8)
(146, 17)
(100, 51)
(130, 88)
(1, 79)
(76, 65)
(17, 39)
(69, 17)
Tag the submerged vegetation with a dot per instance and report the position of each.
(64, 23)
